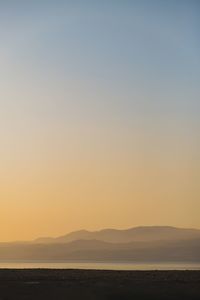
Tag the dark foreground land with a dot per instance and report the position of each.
(96, 285)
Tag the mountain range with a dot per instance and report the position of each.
(135, 234)
(138, 244)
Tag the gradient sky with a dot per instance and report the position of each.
(99, 115)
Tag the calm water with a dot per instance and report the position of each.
(99, 266)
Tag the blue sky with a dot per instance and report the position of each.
(103, 64)
(142, 47)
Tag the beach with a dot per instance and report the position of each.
(98, 284)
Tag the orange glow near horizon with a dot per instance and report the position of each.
(125, 187)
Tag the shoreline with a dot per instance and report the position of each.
(85, 265)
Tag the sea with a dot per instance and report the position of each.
(99, 265)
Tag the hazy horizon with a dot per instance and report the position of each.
(99, 115)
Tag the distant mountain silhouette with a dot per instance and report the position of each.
(139, 244)
(139, 234)
(93, 250)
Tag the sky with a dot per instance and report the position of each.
(99, 115)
